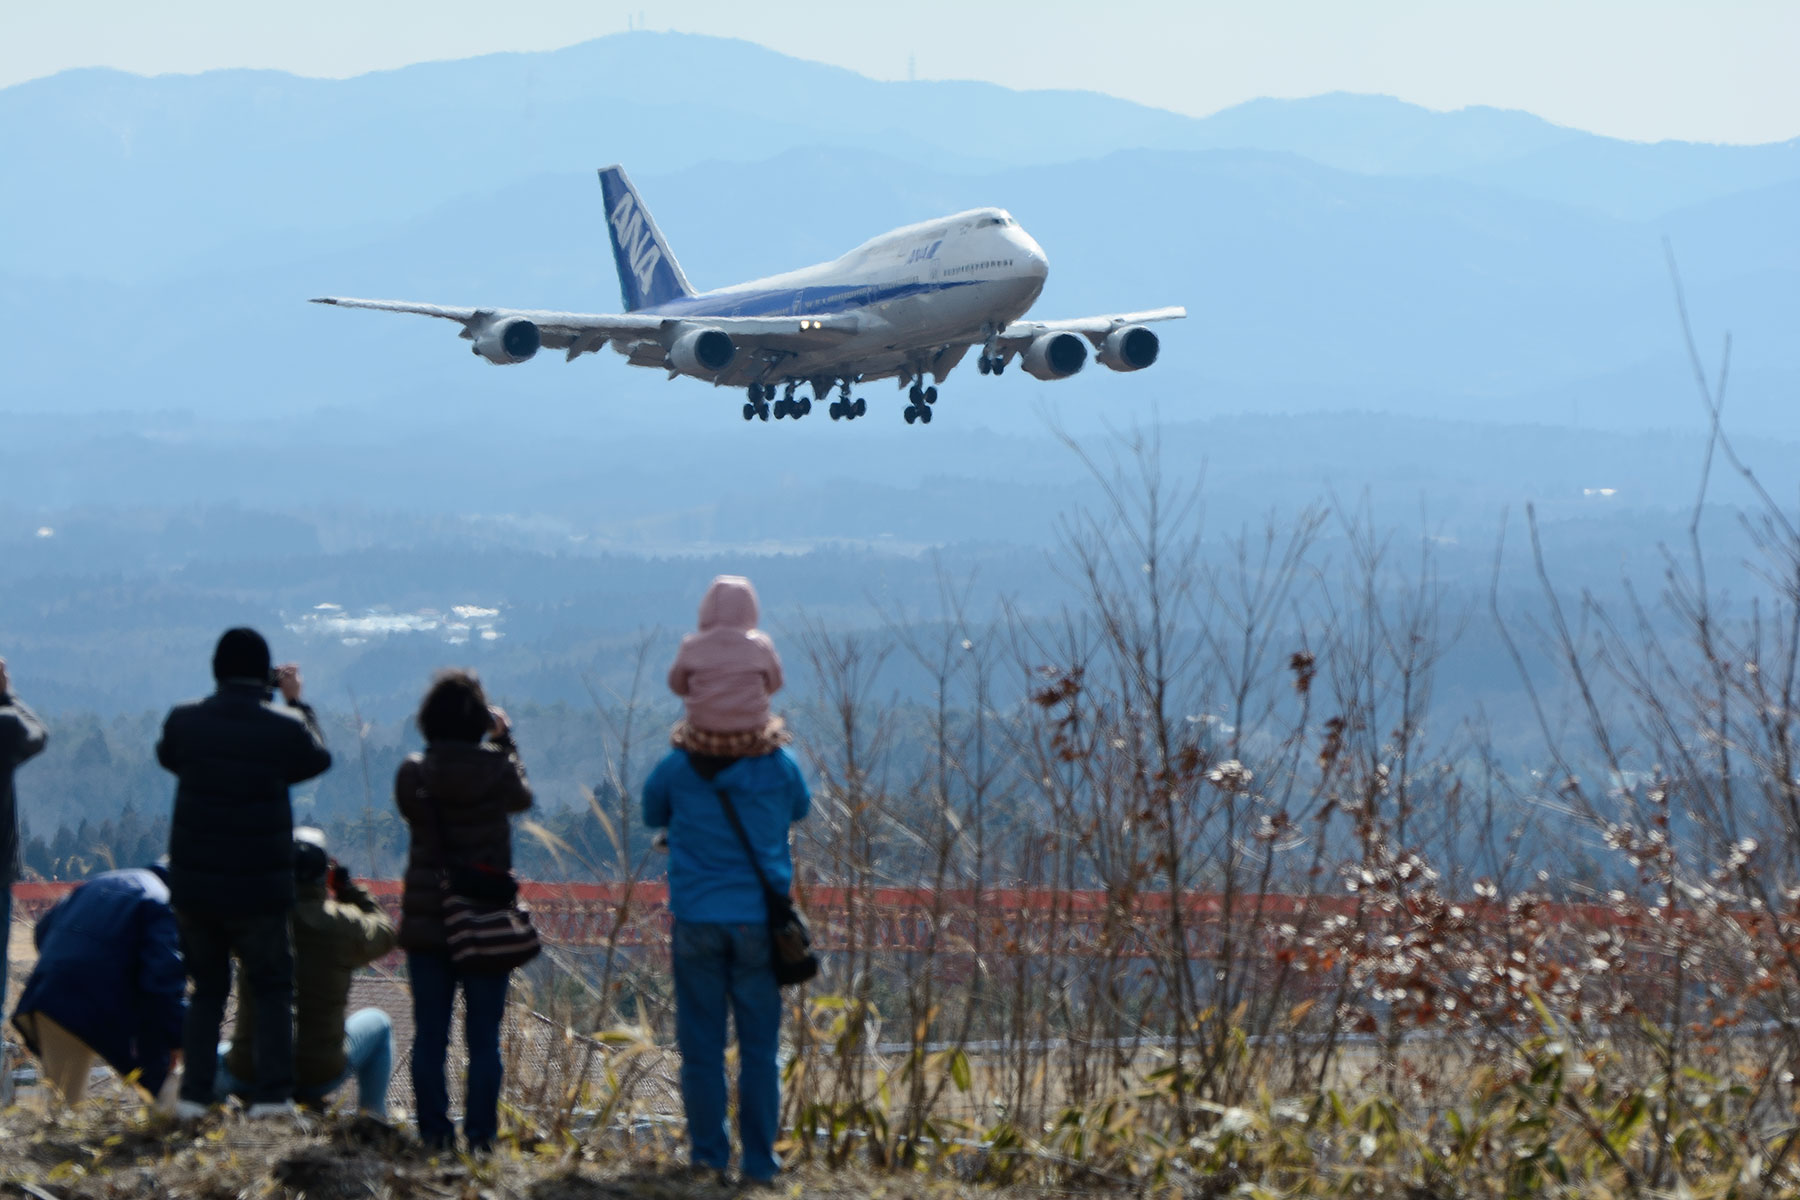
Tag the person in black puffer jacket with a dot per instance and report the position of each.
(456, 798)
(22, 736)
(231, 857)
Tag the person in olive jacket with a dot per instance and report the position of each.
(22, 735)
(456, 798)
(231, 858)
(338, 930)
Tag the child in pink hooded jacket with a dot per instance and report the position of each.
(726, 673)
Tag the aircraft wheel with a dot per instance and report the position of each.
(749, 411)
(781, 409)
(862, 406)
(924, 415)
(762, 410)
(917, 394)
(803, 406)
(999, 367)
(836, 410)
(912, 414)
(983, 365)
(931, 395)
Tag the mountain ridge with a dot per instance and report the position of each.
(209, 157)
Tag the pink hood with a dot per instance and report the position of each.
(730, 603)
(727, 671)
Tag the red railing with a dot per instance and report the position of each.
(1036, 921)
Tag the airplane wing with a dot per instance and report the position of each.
(581, 333)
(1020, 334)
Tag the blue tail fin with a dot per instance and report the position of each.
(648, 272)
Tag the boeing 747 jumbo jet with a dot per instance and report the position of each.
(907, 305)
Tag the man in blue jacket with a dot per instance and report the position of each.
(231, 859)
(21, 736)
(108, 982)
(721, 947)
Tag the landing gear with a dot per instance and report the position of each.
(844, 408)
(787, 406)
(922, 398)
(993, 365)
(758, 404)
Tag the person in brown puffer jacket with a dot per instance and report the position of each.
(456, 797)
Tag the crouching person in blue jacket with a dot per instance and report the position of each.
(109, 982)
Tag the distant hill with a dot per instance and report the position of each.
(1337, 253)
(123, 177)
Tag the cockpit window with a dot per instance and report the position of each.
(987, 221)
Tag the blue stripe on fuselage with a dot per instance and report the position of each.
(797, 302)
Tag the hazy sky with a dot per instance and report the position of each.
(1710, 70)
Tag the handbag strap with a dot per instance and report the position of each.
(770, 895)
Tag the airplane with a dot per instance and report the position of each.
(907, 305)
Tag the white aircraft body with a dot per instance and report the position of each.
(907, 305)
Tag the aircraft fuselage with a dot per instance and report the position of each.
(915, 292)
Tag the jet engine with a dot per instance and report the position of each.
(702, 352)
(1055, 356)
(1131, 348)
(507, 341)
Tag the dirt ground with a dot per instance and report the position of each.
(113, 1155)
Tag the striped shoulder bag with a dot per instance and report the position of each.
(488, 927)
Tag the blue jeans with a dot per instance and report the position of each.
(720, 969)
(434, 979)
(368, 1055)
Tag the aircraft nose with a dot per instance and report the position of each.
(1036, 263)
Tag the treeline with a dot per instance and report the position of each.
(86, 849)
(97, 798)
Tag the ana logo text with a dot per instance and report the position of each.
(921, 253)
(636, 246)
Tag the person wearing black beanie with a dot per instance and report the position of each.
(234, 755)
(241, 654)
